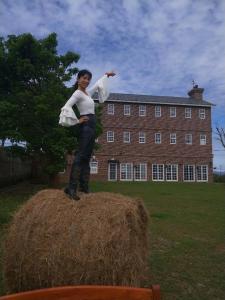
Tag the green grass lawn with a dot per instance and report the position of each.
(187, 233)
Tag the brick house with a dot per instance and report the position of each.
(154, 138)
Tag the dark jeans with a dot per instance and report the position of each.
(80, 171)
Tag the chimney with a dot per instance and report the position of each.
(196, 92)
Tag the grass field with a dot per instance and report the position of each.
(187, 233)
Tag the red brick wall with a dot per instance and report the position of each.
(149, 153)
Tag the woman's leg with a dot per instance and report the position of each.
(85, 165)
(82, 155)
(85, 168)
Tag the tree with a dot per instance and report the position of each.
(32, 91)
(221, 135)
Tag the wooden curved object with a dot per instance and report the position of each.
(89, 292)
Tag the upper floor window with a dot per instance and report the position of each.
(188, 112)
(157, 111)
(188, 138)
(110, 110)
(142, 110)
(126, 110)
(173, 138)
(126, 137)
(202, 139)
(201, 113)
(172, 112)
(110, 136)
(158, 138)
(141, 137)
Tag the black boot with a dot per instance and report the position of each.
(71, 193)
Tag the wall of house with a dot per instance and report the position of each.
(149, 152)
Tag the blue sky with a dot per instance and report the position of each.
(157, 47)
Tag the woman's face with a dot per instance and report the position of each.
(84, 81)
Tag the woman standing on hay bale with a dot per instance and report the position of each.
(80, 170)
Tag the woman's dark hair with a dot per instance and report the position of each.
(79, 75)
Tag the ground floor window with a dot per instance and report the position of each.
(126, 171)
(112, 171)
(140, 172)
(157, 172)
(171, 172)
(202, 173)
(189, 173)
(93, 167)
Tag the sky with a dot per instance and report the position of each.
(156, 47)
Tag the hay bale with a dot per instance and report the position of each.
(54, 241)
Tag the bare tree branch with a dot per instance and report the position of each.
(221, 135)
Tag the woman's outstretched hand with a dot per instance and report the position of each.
(111, 73)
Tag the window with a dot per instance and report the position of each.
(126, 137)
(110, 109)
(187, 112)
(141, 137)
(112, 171)
(110, 136)
(93, 167)
(140, 172)
(172, 112)
(157, 172)
(158, 138)
(202, 173)
(157, 111)
(126, 171)
(142, 110)
(126, 110)
(201, 113)
(202, 139)
(96, 140)
(189, 173)
(173, 138)
(171, 172)
(188, 139)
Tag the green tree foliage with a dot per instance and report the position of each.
(32, 91)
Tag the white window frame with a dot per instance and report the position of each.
(142, 110)
(160, 135)
(110, 136)
(187, 140)
(126, 166)
(142, 137)
(173, 138)
(157, 172)
(158, 112)
(94, 169)
(126, 137)
(188, 180)
(201, 173)
(202, 140)
(126, 109)
(171, 172)
(109, 169)
(187, 112)
(173, 109)
(140, 173)
(201, 113)
(110, 109)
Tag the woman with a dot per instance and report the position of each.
(80, 170)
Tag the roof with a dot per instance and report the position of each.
(147, 99)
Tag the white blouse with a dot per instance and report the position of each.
(85, 103)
